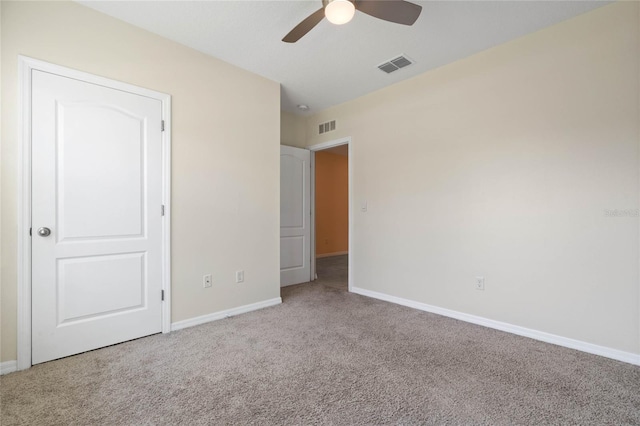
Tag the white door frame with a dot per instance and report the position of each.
(319, 147)
(26, 66)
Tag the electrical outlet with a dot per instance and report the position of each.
(479, 283)
(239, 276)
(207, 281)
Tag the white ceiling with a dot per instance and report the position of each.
(334, 64)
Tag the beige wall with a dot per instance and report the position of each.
(502, 165)
(225, 178)
(332, 203)
(292, 129)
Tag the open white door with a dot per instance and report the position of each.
(295, 215)
(96, 216)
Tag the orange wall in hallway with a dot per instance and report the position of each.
(332, 203)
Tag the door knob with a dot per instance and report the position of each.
(44, 232)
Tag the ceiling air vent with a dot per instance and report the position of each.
(327, 127)
(395, 64)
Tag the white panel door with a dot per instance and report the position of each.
(97, 186)
(295, 215)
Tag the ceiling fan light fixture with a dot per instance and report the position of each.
(339, 12)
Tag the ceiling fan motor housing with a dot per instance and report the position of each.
(325, 3)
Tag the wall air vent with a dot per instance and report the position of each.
(395, 64)
(329, 126)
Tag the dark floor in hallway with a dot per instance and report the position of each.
(333, 271)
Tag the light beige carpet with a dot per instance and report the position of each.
(326, 356)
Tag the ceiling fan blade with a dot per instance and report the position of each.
(305, 26)
(397, 11)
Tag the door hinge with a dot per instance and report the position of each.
(162, 295)
(30, 232)
(162, 126)
(162, 210)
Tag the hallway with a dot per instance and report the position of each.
(333, 271)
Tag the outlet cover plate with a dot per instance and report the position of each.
(207, 281)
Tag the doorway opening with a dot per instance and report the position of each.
(331, 196)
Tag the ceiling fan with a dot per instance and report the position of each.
(341, 11)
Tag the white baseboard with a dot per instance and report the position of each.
(179, 325)
(616, 354)
(338, 253)
(7, 367)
